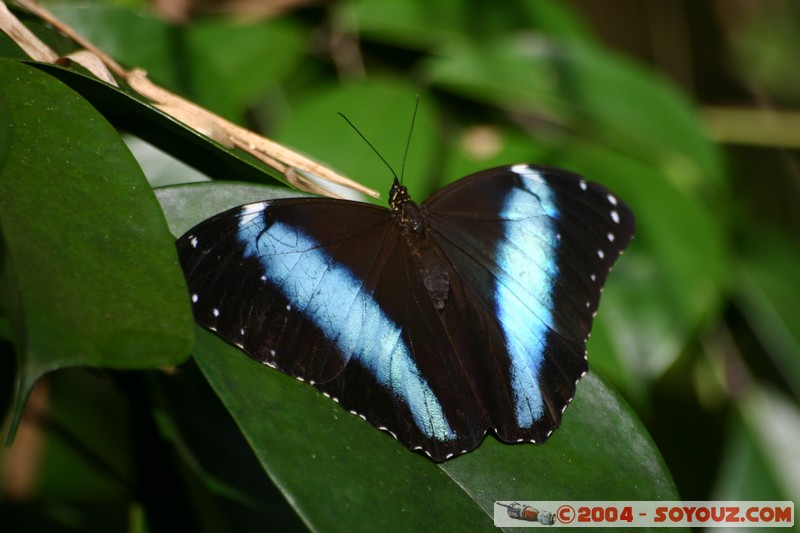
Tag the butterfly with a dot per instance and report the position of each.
(436, 322)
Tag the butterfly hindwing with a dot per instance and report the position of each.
(478, 321)
(408, 387)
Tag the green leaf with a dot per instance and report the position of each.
(675, 274)
(311, 447)
(586, 90)
(10, 49)
(133, 37)
(324, 459)
(257, 55)
(480, 146)
(90, 274)
(422, 24)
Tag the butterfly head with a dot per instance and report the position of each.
(398, 195)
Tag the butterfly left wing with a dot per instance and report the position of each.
(532, 247)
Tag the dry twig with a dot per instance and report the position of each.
(289, 163)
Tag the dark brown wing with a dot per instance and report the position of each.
(340, 303)
(532, 247)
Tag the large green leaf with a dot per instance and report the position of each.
(258, 55)
(324, 459)
(589, 91)
(674, 276)
(90, 275)
(423, 24)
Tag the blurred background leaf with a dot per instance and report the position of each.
(686, 109)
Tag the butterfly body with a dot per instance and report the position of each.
(435, 322)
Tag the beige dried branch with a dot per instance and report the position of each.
(293, 166)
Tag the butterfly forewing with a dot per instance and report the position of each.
(477, 322)
(263, 281)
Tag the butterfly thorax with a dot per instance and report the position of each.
(427, 254)
(405, 210)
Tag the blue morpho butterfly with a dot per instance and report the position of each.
(435, 322)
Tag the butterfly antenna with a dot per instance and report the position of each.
(370, 145)
(408, 141)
